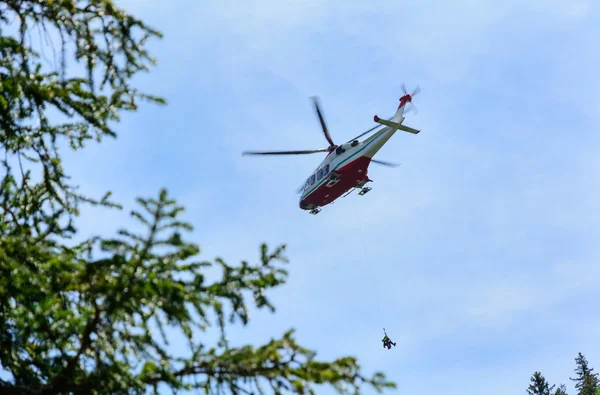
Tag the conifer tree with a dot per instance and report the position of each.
(561, 390)
(73, 320)
(586, 381)
(539, 385)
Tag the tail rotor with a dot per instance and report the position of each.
(416, 91)
(409, 98)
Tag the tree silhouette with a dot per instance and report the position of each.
(539, 385)
(586, 381)
(90, 317)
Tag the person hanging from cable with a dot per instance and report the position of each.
(387, 342)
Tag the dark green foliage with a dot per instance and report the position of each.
(586, 381)
(63, 312)
(539, 385)
(74, 321)
(110, 45)
(561, 390)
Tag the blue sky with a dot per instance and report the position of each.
(477, 254)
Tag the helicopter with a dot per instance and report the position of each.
(345, 167)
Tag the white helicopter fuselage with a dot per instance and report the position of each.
(346, 167)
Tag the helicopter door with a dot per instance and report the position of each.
(333, 178)
(332, 182)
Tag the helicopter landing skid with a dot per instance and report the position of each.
(364, 191)
(315, 211)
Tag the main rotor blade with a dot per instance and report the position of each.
(323, 125)
(286, 152)
(381, 162)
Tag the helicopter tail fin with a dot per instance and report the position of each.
(399, 116)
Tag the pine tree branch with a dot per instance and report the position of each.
(58, 383)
